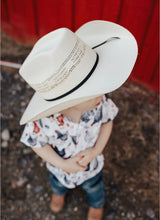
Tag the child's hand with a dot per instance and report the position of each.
(71, 165)
(87, 156)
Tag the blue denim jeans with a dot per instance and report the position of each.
(94, 188)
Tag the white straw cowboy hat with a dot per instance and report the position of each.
(66, 68)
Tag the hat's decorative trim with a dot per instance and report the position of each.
(80, 84)
(89, 74)
(64, 70)
(106, 41)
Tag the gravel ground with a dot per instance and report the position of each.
(131, 155)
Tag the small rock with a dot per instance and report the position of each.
(23, 104)
(28, 87)
(135, 192)
(48, 217)
(22, 109)
(46, 195)
(27, 151)
(19, 144)
(75, 209)
(117, 199)
(133, 199)
(11, 116)
(28, 186)
(18, 87)
(16, 76)
(13, 185)
(114, 203)
(114, 190)
(18, 183)
(131, 189)
(5, 135)
(121, 207)
(4, 144)
(38, 215)
(122, 214)
(111, 214)
(41, 164)
(12, 208)
(23, 162)
(41, 198)
(130, 215)
(139, 191)
(126, 180)
(150, 213)
(38, 189)
(13, 92)
(21, 181)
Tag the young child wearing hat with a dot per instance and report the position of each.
(69, 119)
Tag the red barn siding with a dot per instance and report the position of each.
(28, 20)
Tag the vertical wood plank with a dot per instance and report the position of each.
(154, 82)
(86, 11)
(140, 25)
(53, 14)
(21, 19)
(134, 16)
(150, 52)
(111, 10)
(4, 12)
(47, 15)
(65, 14)
(29, 14)
(16, 13)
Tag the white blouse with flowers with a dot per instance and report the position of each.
(68, 138)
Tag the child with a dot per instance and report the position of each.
(69, 119)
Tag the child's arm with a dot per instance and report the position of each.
(69, 165)
(91, 153)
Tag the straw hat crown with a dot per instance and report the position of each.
(55, 62)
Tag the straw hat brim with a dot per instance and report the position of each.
(116, 61)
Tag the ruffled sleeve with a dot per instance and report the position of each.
(109, 110)
(33, 134)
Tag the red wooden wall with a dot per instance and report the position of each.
(28, 20)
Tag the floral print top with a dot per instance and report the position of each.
(68, 138)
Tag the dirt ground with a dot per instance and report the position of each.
(131, 156)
